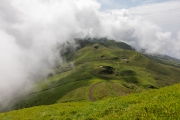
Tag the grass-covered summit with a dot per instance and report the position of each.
(100, 69)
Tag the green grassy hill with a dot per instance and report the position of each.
(164, 59)
(161, 104)
(99, 70)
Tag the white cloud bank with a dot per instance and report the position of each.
(164, 14)
(30, 28)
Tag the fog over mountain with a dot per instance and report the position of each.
(30, 30)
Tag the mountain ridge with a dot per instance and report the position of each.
(118, 71)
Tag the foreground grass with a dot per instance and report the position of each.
(158, 104)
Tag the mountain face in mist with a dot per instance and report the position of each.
(98, 69)
(30, 30)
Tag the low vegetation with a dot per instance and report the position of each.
(161, 104)
(96, 71)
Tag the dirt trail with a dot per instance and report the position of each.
(91, 92)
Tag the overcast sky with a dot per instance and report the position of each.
(119, 4)
(164, 13)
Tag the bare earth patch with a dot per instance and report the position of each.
(91, 92)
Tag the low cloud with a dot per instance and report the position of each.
(164, 14)
(30, 29)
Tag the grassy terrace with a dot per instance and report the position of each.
(161, 104)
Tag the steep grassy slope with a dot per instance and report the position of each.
(100, 70)
(161, 104)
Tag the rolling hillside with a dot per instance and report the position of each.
(161, 104)
(98, 70)
(165, 59)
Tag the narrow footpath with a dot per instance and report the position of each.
(91, 92)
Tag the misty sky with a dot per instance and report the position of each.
(31, 30)
(164, 13)
(126, 4)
